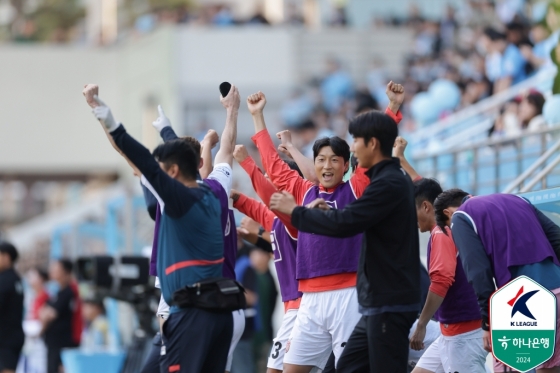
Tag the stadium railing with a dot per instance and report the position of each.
(495, 165)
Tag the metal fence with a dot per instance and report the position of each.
(496, 165)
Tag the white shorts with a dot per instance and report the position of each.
(238, 329)
(460, 353)
(276, 357)
(324, 323)
(433, 332)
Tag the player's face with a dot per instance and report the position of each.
(363, 152)
(329, 167)
(4, 261)
(425, 214)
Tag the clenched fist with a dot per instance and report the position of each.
(89, 92)
(395, 93)
(232, 100)
(256, 103)
(211, 139)
(399, 147)
(240, 153)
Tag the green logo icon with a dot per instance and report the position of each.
(523, 324)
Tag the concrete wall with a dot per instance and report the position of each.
(49, 128)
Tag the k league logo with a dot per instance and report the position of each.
(523, 324)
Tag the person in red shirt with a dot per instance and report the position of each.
(283, 245)
(37, 280)
(325, 267)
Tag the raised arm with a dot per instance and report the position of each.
(253, 209)
(229, 136)
(177, 198)
(395, 94)
(261, 185)
(163, 125)
(90, 92)
(398, 152)
(278, 171)
(208, 143)
(305, 164)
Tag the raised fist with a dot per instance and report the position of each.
(89, 92)
(240, 153)
(211, 138)
(285, 137)
(395, 93)
(399, 147)
(232, 100)
(256, 103)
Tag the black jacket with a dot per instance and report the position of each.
(389, 267)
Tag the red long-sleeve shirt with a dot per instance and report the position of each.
(265, 189)
(289, 180)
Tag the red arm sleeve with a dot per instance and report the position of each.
(255, 210)
(279, 172)
(359, 181)
(265, 189)
(396, 117)
(443, 261)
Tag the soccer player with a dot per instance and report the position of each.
(220, 179)
(11, 310)
(388, 269)
(325, 267)
(196, 340)
(284, 244)
(493, 234)
(451, 298)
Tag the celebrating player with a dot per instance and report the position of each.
(325, 267)
(187, 252)
(388, 272)
(492, 234)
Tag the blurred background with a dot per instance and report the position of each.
(481, 112)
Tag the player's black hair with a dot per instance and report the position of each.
(449, 198)
(293, 165)
(375, 124)
(182, 154)
(67, 265)
(338, 146)
(426, 189)
(353, 163)
(8, 248)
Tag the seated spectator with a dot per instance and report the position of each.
(507, 66)
(530, 111)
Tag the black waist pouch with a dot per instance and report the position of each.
(217, 294)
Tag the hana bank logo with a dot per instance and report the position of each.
(519, 305)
